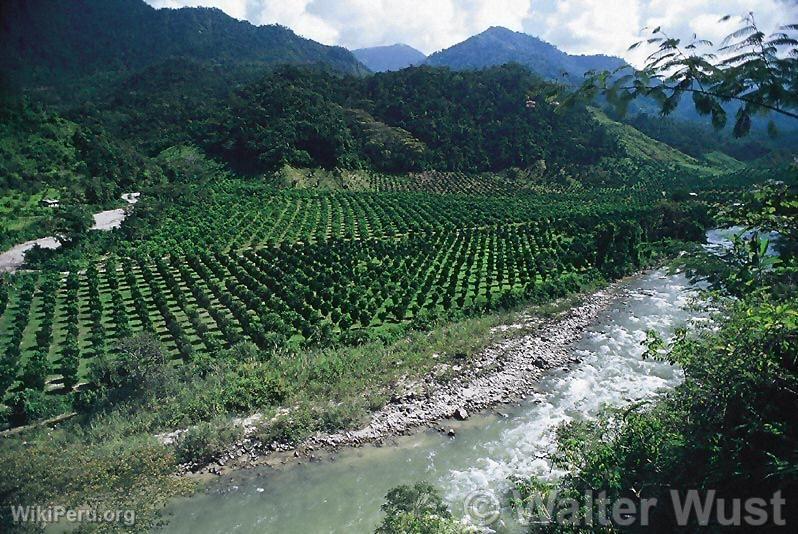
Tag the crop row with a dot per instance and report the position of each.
(294, 293)
(449, 182)
(236, 215)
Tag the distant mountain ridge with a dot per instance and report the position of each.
(498, 46)
(389, 58)
(43, 40)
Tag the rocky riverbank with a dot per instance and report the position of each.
(501, 374)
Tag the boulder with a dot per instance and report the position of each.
(460, 414)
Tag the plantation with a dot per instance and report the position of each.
(205, 266)
(309, 292)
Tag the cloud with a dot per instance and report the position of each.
(576, 26)
(610, 27)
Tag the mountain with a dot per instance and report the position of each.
(48, 41)
(389, 58)
(497, 46)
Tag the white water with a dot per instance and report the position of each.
(720, 239)
(345, 495)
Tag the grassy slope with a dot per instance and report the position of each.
(639, 145)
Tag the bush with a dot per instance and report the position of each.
(416, 509)
(140, 367)
(253, 386)
(289, 429)
(32, 405)
(206, 441)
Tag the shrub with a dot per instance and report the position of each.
(416, 509)
(206, 441)
(31, 405)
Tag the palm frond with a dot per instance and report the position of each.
(738, 34)
(783, 41)
(739, 57)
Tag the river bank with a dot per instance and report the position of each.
(569, 367)
(501, 374)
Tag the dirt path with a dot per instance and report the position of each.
(109, 219)
(14, 258)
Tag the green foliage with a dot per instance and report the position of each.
(139, 367)
(31, 405)
(751, 68)
(409, 120)
(700, 141)
(36, 370)
(416, 509)
(187, 163)
(65, 467)
(472, 121)
(70, 222)
(206, 441)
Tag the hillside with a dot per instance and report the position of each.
(389, 58)
(47, 42)
(414, 119)
(498, 46)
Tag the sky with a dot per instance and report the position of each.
(575, 26)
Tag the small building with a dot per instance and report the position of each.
(50, 202)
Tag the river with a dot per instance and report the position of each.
(344, 495)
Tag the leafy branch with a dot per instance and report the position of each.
(758, 71)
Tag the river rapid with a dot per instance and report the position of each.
(344, 493)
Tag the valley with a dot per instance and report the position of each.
(296, 288)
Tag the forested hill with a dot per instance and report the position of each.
(418, 118)
(498, 46)
(45, 42)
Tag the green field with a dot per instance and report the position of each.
(22, 216)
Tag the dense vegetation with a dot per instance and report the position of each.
(471, 121)
(305, 238)
(52, 45)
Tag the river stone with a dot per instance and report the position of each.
(460, 414)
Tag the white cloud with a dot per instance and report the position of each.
(576, 26)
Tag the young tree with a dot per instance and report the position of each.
(70, 222)
(417, 508)
(34, 374)
(70, 363)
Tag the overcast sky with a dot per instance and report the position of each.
(576, 26)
